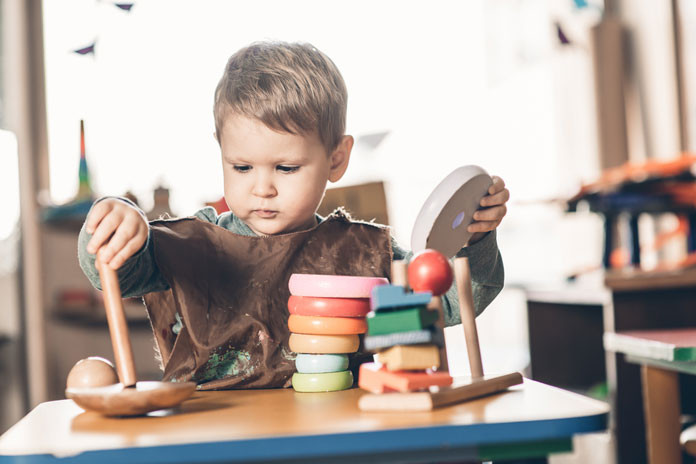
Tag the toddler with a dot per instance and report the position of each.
(215, 286)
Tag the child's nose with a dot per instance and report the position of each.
(264, 188)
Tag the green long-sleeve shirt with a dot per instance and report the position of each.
(139, 274)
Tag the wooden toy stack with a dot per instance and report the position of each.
(440, 230)
(398, 383)
(327, 314)
(406, 329)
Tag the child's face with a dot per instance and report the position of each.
(275, 181)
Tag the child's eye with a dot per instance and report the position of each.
(242, 168)
(287, 169)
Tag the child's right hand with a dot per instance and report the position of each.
(118, 231)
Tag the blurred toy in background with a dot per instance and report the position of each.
(220, 205)
(84, 189)
(77, 209)
(161, 208)
(131, 196)
(653, 187)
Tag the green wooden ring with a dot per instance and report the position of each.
(330, 381)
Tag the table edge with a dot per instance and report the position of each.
(340, 444)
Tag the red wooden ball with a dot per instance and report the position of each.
(430, 271)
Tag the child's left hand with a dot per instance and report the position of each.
(491, 212)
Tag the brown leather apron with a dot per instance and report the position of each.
(231, 292)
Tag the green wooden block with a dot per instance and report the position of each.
(659, 345)
(687, 367)
(417, 318)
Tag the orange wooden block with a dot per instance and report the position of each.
(326, 325)
(377, 379)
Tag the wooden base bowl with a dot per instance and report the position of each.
(144, 397)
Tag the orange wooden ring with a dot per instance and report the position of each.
(326, 325)
(330, 307)
(318, 344)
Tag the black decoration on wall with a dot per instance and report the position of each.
(88, 50)
(562, 38)
(124, 6)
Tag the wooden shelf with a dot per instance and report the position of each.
(568, 293)
(89, 321)
(71, 226)
(636, 280)
(95, 316)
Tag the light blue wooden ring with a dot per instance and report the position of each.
(330, 381)
(320, 363)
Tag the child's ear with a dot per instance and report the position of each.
(215, 136)
(340, 157)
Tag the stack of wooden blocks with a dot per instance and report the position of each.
(406, 331)
(403, 333)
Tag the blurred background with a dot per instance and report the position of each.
(550, 95)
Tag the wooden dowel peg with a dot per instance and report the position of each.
(468, 314)
(399, 273)
(128, 398)
(118, 328)
(436, 304)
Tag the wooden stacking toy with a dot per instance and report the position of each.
(396, 312)
(327, 314)
(402, 381)
(128, 397)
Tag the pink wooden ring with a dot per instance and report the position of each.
(326, 325)
(333, 286)
(320, 344)
(331, 307)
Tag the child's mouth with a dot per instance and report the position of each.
(265, 213)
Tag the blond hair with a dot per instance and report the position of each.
(290, 87)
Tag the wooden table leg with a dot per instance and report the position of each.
(661, 409)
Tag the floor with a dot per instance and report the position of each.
(11, 400)
(592, 448)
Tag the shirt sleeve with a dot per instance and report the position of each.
(487, 275)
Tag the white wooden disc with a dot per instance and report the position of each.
(442, 221)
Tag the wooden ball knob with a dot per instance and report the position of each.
(92, 372)
(430, 271)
